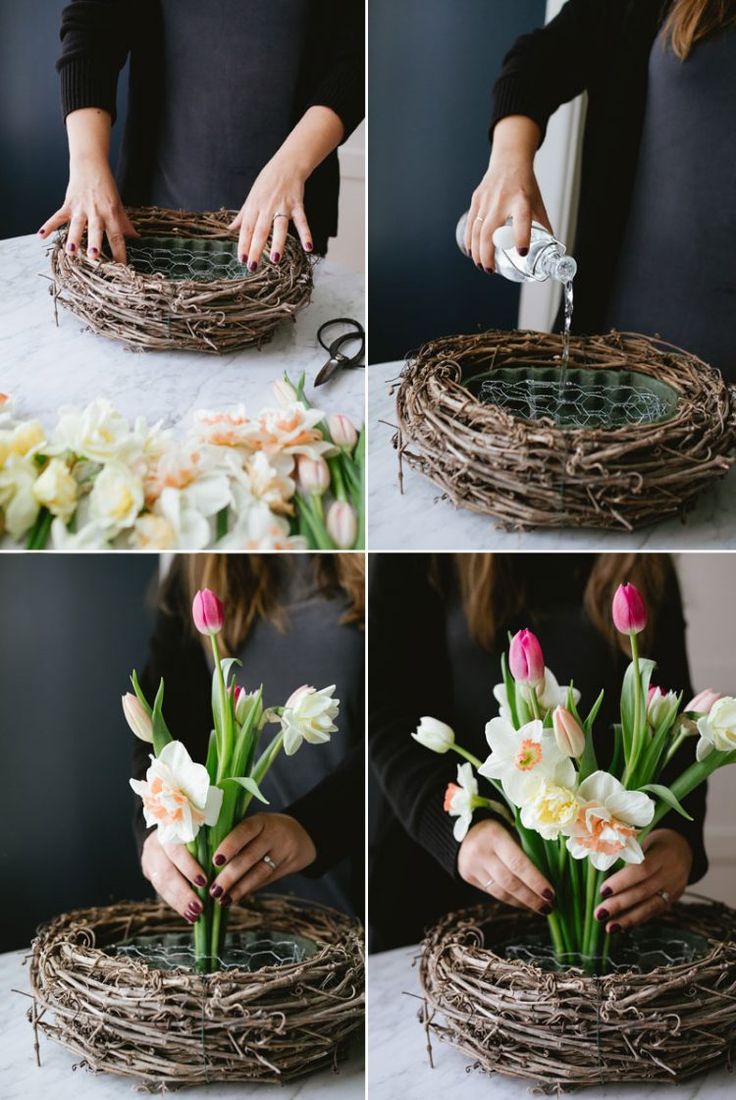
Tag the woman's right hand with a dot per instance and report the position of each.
(92, 199)
(509, 189)
(173, 871)
(490, 859)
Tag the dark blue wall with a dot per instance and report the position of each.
(71, 629)
(432, 66)
(33, 152)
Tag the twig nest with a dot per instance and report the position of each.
(183, 287)
(639, 429)
(565, 1028)
(166, 1027)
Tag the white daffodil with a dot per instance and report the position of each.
(22, 440)
(550, 695)
(257, 528)
(57, 489)
(17, 478)
(550, 811)
(153, 532)
(521, 760)
(98, 432)
(189, 511)
(607, 822)
(293, 431)
(116, 499)
(88, 536)
(177, 796)
(460, 800)
(231, 429)
(717, 729)
(309, 716)
(263, 479)
(434, 735)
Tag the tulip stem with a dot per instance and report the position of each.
(534, 703)
(635, 739)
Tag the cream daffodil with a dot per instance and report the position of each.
(521, 760)
(309, 715)
(116, 499)
(17, 478)
(607, 822)
(177, 795)
(717, 729)
(98, 432)
(550, 811)
(292, 430)
(57, 489)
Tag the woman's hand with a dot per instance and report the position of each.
(633, 895)
(242, 855)
(92, 199)
(275, 199)
(491, 859)
(172, 871)
(509, 189)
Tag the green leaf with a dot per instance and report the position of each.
(250, 785)
(666, 795)
(161, 735)
(139, 692)
(510, 685)
(646, 668)
(588, 724)
(211, 763)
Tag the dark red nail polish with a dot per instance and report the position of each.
(252, 266)
(546, 910)
(615, 927)
(244, 259)
(72, 248)
(42, 232)
(190, 920)
(219, 859)
(93, 251)
(201, 880)
(523, 251)
(308, 247)
(479, 265)
(606, 891)
(275, 256)
(488, 270)
(602, 915)
(226, 901)
(548, 894)
(216, 891)
(196, 906)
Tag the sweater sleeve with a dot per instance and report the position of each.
(555, 63)
(341, 86)
(94, 47)
(333, 813)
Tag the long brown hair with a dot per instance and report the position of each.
(248, 584)
(691, 20)
(493, 591)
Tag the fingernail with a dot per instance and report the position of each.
(479, 265)
(196, 907)
(72, 247)
(42, 232)
(615, 927)
(308, 247)
(602, 914)
(226, 901)
(93, 251)
(523, 251)
(190, 920)
(275, 257)
(606, 891)
(201, 880)
(546, 910)
(215, 891)
(548, 894)
(244, 259)
(252, 266)
(219, 859)
(488, 270)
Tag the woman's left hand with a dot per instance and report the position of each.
(242, 855)
(634, 894)
(275, 199)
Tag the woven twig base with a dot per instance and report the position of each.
(533, 473)
(152, 312)
(568, 1029)
(169, 1027)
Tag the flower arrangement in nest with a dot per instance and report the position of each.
(288, 478)
(574, 820)
(183, 287)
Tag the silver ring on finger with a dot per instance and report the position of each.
(267, 860)
(489, 883)
(480, 219)
(665, 896)
(279, 215)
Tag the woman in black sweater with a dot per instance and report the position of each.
(656, 231)
(437, 628)
(229, 105)
(290, 621)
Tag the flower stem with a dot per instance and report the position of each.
(637, 702)
(467, 755)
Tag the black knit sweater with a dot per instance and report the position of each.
(214, 90)
(602, 47)
(423, 660)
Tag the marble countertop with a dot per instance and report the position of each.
(56, 1079)
(44, 366)
(419, 520)
(398, 1065)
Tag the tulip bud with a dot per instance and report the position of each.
(703, 701)
(208, 612)
(629, 610)
(284, 392)
(569, 736)
(342, 524)
(526, 660)
(343, 432)
(434, 735)
(313, 474)
(137, 717)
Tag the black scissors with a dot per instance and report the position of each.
(337, 359)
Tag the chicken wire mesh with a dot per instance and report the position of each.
(643, 950)
(249, 951)
(191, 260)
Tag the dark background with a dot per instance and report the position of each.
(33, 150)
(72, 628)
(432, 65)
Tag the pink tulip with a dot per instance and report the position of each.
(629, 610)
(703, 701)
(342, 431)
(342, 525)
(526, 659)
(569, 736)
(313, 474)
(208, 612)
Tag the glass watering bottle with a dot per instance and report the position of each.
(546, 258)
